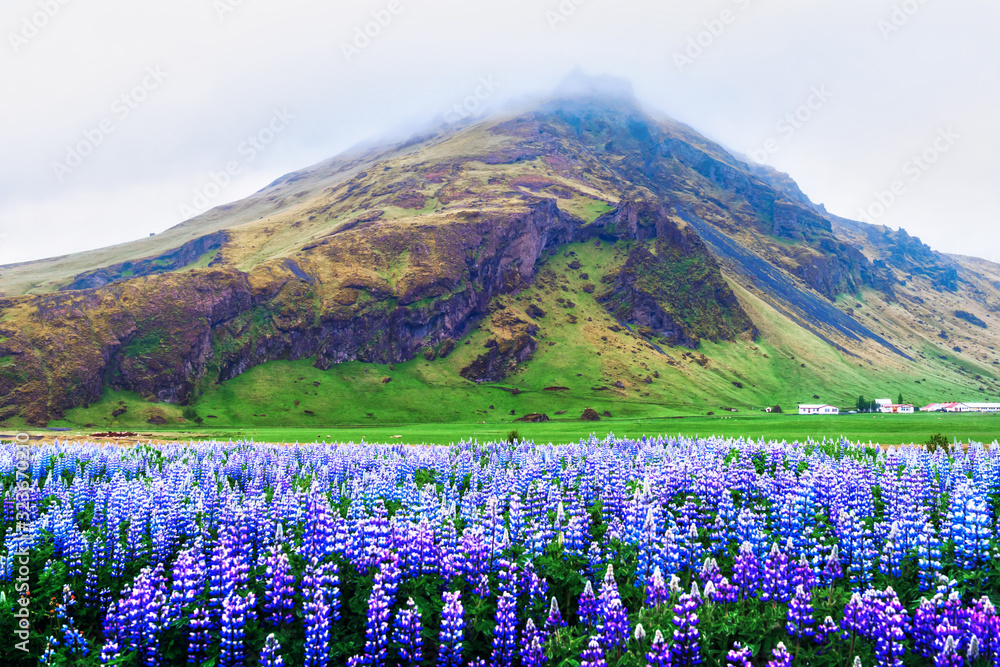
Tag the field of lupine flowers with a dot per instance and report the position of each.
(657, 551)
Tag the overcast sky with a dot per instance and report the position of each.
(116, 113)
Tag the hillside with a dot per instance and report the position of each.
(580, 254)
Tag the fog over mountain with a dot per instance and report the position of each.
(123, 119)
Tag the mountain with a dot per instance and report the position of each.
(583, 253)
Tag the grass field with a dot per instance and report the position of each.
(882, 429)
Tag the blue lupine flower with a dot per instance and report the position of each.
(269, 655)
(800, 615)
(780, 657)
(593, 655)
(588, 609)
(531, 652)
(407, 635)
(746, 571)
(739, 656)
(452, 631)
(235, 608)
(554, 621)
(505, 634)
(659, 652)
(686, 649)
(317, 626)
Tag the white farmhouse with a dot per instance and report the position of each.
(818, 410)
(893, 409)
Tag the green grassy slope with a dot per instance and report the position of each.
(580, 348)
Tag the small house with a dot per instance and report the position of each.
(894, 409)
(818, 410)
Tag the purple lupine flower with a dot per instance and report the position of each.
(946, 638)
(800, 619)
(856, 617)
(554, 621)
(406, 634)
(505, 634)
(780, 657)
(890, 633)
(531, 652)
(739, 656)
(588, 609)
(279, 588)
(659, 653)
(984, 624)
(746, 571)
(775, 584)
(317, 626)
(834, 569)
(593, 655)
(925, 622)
(710, 572)
(725, 592)
(686, 649)
(828, 628)
(612, 615)
(269, 655)
(656, 589)
(376, 651)
(232, 649)
(803, 575)
(452, 631)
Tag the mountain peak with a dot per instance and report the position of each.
(580, 84)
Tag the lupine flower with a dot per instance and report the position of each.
(659, 652)
(198, 637)
(235, 608)
(925, 622)
(505, 634)
(775, 582)
(780, 657)
(746, 571)
(376, 651)
(947, 655)
(554, 621)
(800, 615)
(531, 651)
(739, 656)
(317, 625)
(269, 655)
(946, 638)
(833, 570)
(686, 649)
(593, 655)
(656, 589)
(588, 609)
(452, 631)
(406, 634)
(280, 588)
(890, 633)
